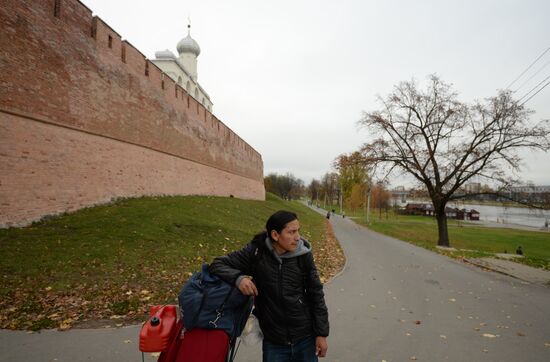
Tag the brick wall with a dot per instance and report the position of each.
(85, 117)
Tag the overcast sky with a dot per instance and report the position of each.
(292, 77)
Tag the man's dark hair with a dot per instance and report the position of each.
(278, 221)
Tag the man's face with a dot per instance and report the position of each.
(288, 238)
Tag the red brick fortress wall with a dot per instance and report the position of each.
(85, 117)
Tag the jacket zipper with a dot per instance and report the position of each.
(282, 300)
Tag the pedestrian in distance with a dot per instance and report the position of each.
(328, 215)
(519, 250)
(277, 267)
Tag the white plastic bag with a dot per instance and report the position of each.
(252, 334)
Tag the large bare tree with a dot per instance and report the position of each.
(442, 142)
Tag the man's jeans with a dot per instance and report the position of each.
(302, 351)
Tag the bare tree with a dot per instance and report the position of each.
(442, 142)
(329, 187)
(314, 189)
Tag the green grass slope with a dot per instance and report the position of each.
(115, 260)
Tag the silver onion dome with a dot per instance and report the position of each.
(188, 45)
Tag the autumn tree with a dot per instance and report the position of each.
(380, 196)
(352, 170)
(358, 197)
(442, 142)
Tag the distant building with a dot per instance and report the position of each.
(183, 69)
(454, 213)
(530, 193)
(399, 194)
(472, 188)
(472, 215)
(530, 189)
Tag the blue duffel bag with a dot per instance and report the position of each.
(207, 301)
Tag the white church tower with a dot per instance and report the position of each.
(189, 50)
(183, 69)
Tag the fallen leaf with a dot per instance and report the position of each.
(417, 322)
(66, 324)
(452, 300)
(413, 358)
(127, 341)
(547, 345)
(443, 336)
(489, 335)
(520, 334)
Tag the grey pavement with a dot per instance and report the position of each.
(520, 271)
(392, 302)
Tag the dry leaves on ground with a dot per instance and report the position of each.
(329, 256)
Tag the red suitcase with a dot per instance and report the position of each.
(197, 345)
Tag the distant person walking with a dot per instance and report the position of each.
(519, 251)
(328, 215)
(277, 267)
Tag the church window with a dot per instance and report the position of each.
(179, 80)
(110, 41)
(176, 90)
(146, 68)
(188, 87)
(196, 93)
(57, 8)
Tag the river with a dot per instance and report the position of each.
(506, 215)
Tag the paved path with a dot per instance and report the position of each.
(393, 302)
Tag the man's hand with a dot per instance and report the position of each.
(247, 286)
(321, 346)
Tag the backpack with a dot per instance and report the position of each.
(209, 302)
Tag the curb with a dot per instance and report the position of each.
(488, 267)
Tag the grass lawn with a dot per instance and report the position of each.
(468, 238)
(112, 261)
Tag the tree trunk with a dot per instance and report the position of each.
(443, 232)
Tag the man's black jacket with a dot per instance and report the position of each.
(290, 304)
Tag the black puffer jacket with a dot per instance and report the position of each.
(290, 304)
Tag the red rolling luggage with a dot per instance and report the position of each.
(197, 345)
